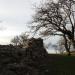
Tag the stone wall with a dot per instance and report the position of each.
(22, 61)
(36, 48)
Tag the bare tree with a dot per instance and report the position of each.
(61, 45)
(24, 39)
(56, 18)
(20, 40)
(15, 41)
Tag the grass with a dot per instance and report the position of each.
(14, 62)
(59, 65)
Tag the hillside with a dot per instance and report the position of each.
(34, 60)
(60, 65)
(14, 62)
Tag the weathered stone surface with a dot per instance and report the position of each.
(36, 48)
(22, 61)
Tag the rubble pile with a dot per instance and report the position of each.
(22, 61)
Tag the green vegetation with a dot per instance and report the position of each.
(16, 63)
(59, 65)
(33, 60)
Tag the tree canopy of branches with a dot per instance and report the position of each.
(56, 18)
(15, 40)
(20, 40)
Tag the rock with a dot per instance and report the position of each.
(22, 61)
(36, 46)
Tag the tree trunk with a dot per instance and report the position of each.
(67, 46)
(73, 41)
(69, 54)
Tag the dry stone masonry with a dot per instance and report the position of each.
(22, 61)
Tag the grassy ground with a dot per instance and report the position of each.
(59, 65)
(14, 62)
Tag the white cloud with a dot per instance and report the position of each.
(2, 28)
(14, 15)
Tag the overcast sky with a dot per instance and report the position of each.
(14, 16)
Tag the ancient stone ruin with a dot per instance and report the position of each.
(22, 61)
(36, 47)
